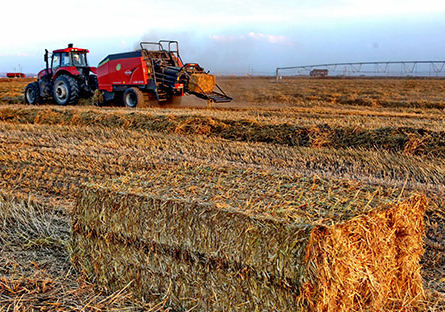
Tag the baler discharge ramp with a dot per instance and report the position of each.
(203, 84)
(215, 97)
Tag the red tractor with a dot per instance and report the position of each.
(67, 79)
(153, 75)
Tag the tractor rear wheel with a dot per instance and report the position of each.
(133, 97)
(66, 90)
(32, 93)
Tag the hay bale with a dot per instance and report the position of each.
(187, 279)
(201, 82)
(236, 239)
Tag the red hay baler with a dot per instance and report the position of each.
(153, 76)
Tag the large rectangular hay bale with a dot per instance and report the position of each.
(232, 239)
(201, 82)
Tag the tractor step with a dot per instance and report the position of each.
(162, 96)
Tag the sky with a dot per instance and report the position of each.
(227, 36)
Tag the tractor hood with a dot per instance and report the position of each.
(73, 71)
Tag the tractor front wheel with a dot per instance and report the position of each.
(66, 90)
(32, 93)
(133, 97)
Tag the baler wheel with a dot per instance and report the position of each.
(133, 97)
(32, 93)
(66, 90)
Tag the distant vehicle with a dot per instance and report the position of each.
(15, 75)
(319, 73)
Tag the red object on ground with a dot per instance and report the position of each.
(15, 75)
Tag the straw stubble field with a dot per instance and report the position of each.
(328, 154)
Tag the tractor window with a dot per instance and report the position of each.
(66, 59)
(56, 61)
(79, 59)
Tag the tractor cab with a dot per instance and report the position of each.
(68, 59)
(71, 60)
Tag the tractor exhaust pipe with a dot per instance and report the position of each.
(45, 57)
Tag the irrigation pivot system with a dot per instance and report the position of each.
(393, 68)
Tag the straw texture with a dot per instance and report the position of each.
(184, 243)
(200, 83)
